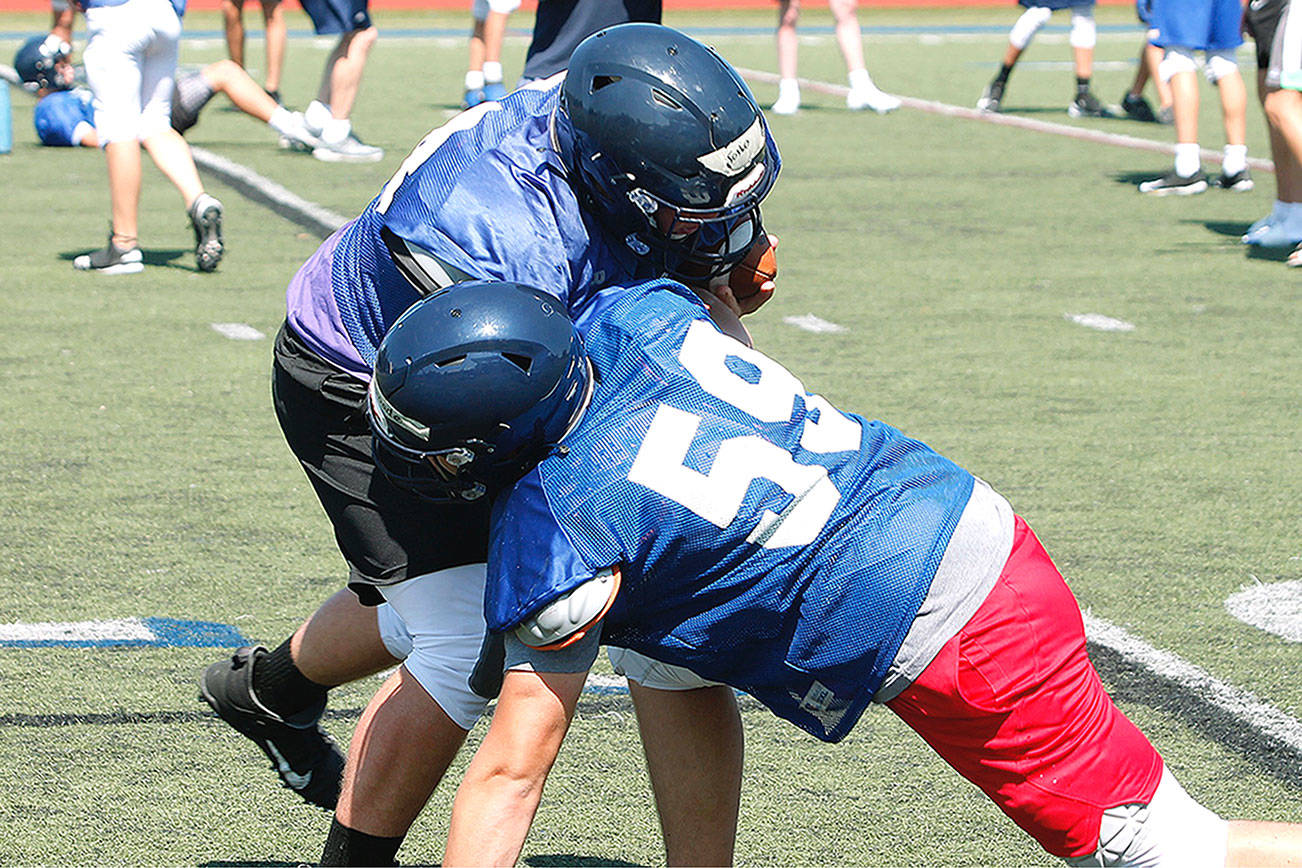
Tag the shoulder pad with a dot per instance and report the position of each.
(568, 618)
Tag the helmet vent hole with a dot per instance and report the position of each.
(450, 361)
(600, 81)
(665, 100)
(521, 362)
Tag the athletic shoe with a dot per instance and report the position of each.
(474, 96)
(991, 97)
(1166, 115)
(296, 136)
(1138, 109)
(871, 97)
(206, 218)
(1086, 105)
(1295, 258)
(494, 90)
(274, 94)
(788, 103)
(1275, 235)
(306, 758)
(1175, 185)
(111, 260)
(350, 149)
(1240, 181)
(1257, 229)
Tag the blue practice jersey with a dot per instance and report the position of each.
(57, 115)
(764, 539)
(485, 196)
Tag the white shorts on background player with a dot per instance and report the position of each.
(435, 625)
(130, 62)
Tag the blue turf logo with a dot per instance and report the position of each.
(152, 632)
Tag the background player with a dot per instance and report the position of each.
(65, 116)
(484, 70)
(652, 157)
(703, 508)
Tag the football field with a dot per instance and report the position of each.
(1121, 368)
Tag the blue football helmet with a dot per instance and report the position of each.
(473, 386)
(667, 146)
(37, 63)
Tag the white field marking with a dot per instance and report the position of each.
(1275, 608)
(811, 323)
(1240, 704)
(263, 190)
(237, 331)
(1100, 322)
(1071, 132)
(116, 630)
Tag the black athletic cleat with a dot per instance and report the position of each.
(1175, 185)
(306, 758)
(111, 260)
(1086, 105)
(1240, 181)
(206, 218)
(991, 97)
(1138, 109)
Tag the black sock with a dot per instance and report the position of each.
(282, 688)
(345, 846)
(1004, 72)
(1082, 86)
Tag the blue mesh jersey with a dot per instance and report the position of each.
(57, 115)
(765, 539)
(486, 195)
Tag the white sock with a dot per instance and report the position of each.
(281, 120)
(1234, 159)
(492, 72)
(1187, 158)
(317, 114)
(788, 86)
(336, 130)
(475, 79)
(860, 80)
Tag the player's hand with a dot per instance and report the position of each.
(751, 282)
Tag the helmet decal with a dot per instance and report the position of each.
(734, 157)
(744, 187)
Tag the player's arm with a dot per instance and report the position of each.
(499, 794)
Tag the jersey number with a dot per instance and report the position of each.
(717, 496)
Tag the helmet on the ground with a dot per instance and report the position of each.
(668, 148)
(37, 60)
(473, 386)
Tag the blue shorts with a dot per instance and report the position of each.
(1203, 25)
(337, 16)
(1144, 12)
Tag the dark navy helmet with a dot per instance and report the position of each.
(668, 146)
(473, 386)
(37, 60)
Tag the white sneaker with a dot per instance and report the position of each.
(788, 103)
(349, 150)
(295, 136)
(871, 97)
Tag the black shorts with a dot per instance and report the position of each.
(385, 533)
(1261, 19)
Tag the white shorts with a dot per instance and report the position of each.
(481, 8)
(130, 63)
(436, 622)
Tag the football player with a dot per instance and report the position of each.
(650, 157)
(700, 507)
(65, 113)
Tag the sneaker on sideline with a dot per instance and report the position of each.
(787, 103)
(306, 758)
(1239, 182)
(111, 260)
(871, 97)
(474, 96)
(1086, 105)
(1138, 109)
(1172, 184)
(494, 90)
(206, 219)
(991, 98)
(349, 149)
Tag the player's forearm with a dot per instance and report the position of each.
(491, 816)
